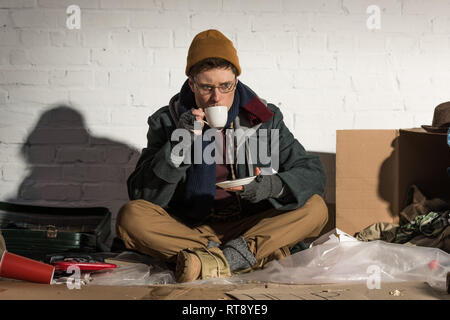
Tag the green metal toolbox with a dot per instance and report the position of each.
(36, 231)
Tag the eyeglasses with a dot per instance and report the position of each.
(205, 89)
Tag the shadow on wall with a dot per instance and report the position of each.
(70, 167)
(329, 164)
(421, 161)
(387, 180)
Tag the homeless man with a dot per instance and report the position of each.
(179, 215)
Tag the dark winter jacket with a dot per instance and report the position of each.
(158, 180)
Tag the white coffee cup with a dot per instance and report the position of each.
(216, 116)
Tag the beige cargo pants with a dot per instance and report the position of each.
(149, 229)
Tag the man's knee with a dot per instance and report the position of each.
(126, 212)
(314, 213)
(318, 210)
(130, 215)
(321, 209)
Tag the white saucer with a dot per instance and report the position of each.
(235, 183)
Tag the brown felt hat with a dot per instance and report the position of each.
(211, 44)
(441, 119)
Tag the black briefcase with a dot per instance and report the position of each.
(36, 231)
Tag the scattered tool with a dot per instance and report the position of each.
(85, 262)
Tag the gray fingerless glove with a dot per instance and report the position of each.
(262, 187)
(186, 121)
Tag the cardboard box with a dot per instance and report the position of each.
(375, 168)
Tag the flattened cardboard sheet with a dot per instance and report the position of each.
(387, 291)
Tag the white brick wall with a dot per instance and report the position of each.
(316, 59)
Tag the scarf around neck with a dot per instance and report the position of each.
(200, 186)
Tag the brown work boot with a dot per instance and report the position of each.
(201, 263)
(261, 263)
(276, 255)
(188, 268)
(279, 254)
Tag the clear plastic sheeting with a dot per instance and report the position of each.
(137, 274)
(138, 270)
(357, 262)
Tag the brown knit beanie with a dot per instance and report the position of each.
(211, 44)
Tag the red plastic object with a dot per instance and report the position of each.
(84, 266)
(21, 268)
(433, 264)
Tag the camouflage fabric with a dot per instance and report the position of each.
(418, 204)
(430, 225)
(378, 231)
